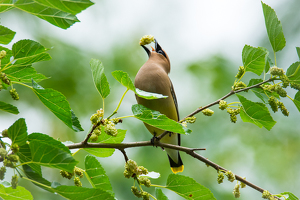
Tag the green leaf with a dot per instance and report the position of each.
(268, 60)
(25, 157)
(54, 16)
(26, 52)
(104, 138)
(256, 113)
(79, 193)
(149, 95)
(298, 51)
(291, 196)
(57, 103)
(293, 72)
(8, 108)
(20, 193)
(18, 132)
(97, 175)
(297, 100)
(254, 59)
(68, 6)
(124, 79)
(160, 195)
(50, 156)
(156, 119)
(6, 35)
(274, 28)
(7, 58)
(259, 92)
(99, 77)
(8, 5)
(75, 122)
(23, 74)
(188, 188)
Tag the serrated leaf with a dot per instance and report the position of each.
(6, 35)
(49, 156)
(56, 102)
(97, 175)
(68, 6)
(149, 95)
(6, 59)
(274, 28)
(47, 140)
(104, 138)
(268, 60)
(23, 74)
(8, 108)
(79, 193)
(75, 122)
(156, 119)
(160, 195)
(20, 193)
(254, 59)
(124, 79)
(291, 196)
(256, 113)
(99, 77)
(26, 52)
(259, 92)
(293, 72)
(18, 132)
(54, 16)
(188, 188)
(7, 5)
(25, 157)
(297, 100)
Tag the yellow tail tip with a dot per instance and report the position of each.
(177, 169)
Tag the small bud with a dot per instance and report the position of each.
(220, 177)
(5, 133)
(236, 191)
(208, 112)
(14, 94)
(285, 81)
(66, 174)
(15, 148)
(273, 103)
(146, 39)
(223, 105)
(295, 86)
(241, 72)
(230, 176)
(77, 182)
(243, 185)
(144, 181)
(266, 194)
(13, 158)
(14, 181)
(283, 109)
(94, 137)
(275, 71)
(279, 90)
(3, 153)
(2, 172)
(78, 171)
(2, 54)
(136, 192)
(190, 120)
(110, 129)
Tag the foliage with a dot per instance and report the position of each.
(26, 153)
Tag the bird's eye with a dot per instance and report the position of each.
(161, 52)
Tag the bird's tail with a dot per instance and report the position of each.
(176, 167)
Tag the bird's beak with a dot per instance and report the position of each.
(157, 46)
(147, 50)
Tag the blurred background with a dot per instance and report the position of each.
(204, 40)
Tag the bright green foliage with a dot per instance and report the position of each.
(18, 132)
(256, 113)
(298, 51)
(259, 92)
(99, 77)
(104, 138)
(156, 119)
(297, 100)
(25, 156)
(254, 59)
(124, 79)
(97, 175)
(7, 193)
(160, 195)
(293, 72)
(6, 35)
(57, 103)
(291, 196)
(274, 28)
(8, 108)
(188, 188)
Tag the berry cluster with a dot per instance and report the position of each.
(77, 171)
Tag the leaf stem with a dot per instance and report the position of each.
(116, 110)
(20, 83)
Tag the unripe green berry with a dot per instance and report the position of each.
(279, 90)
(266, 194)
(285, 81)
(97, 131)
(5, 133)
(190, 120)
(283, 109)
(14, 181)
(77, 182)
(8, 163)
(239, 85)
(233, 118)
(145, 195)
(2, 172)
(146, 39)
(273, 103)
(275, 71)
(94, 137)
(223, 105)
(142, 170)
(295, 86)
(94, 119)
(78, 171)
(66, 174)
(241, 72)
(243, 185)
(110, 129)
(184, 124)
(14, 94)
(131, 165)
(3, 153)
(13, 158)
(145, 181)
(220, 177)
(208, 112)
(15, 148)
(230, 176)
(116, 120)
(100, 113)
(136, 192)
(2, 54)
(127, 174)
(236, 191)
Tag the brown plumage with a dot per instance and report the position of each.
(153, 77)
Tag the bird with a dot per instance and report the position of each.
(153, 77)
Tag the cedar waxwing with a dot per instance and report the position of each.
(153, 77)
